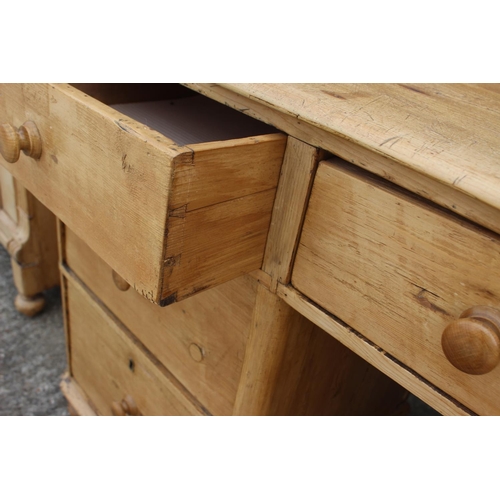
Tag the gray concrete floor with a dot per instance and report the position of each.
(33, 355)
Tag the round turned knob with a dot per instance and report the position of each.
(472, 343)
(14, 140)
(120, 283)
(125, 407)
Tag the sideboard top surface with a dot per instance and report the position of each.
(448, 132)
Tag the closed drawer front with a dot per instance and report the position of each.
(111, 368)
(172, 215)
(399, 271)
(201, 340)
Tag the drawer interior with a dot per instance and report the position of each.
(177, 112)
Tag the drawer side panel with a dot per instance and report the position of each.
(100, 173)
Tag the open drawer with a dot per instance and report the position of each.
(172, 190)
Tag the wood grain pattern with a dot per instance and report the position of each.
(94, 177)
(320, 376)
(398, 271)
(212, 245)
(293, 368)
(441, 154)
(372, 353)
(227, 170)
(297, 173)
(272, 323)
(109, 364)
(216, 322)
(111, 178)
(443, 131)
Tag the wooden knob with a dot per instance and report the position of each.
(14, 140)
(120, 283)
(472, 343)
(125, 407)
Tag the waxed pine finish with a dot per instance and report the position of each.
(369, 226)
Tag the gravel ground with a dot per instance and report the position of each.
(32, 353)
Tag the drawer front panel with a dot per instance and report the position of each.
(109, 366)
(135, 196)
(398, 271)
(201, 340)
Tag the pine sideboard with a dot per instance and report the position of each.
(258, 249)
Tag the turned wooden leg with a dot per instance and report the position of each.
(28, 232)
(29, 305)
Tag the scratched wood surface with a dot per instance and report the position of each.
(439, 141)
(398, 271)
(116, 183)
(449, 132)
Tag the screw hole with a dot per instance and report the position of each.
(131, 365)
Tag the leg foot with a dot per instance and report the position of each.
(29, 305)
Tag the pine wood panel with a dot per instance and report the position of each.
(398, 271)
(212, 245)
(215, 323)
(297, 173)
(114, 180)
(219, 173)
(94, 177)
(108, 364)
(294, 368)
(360, 123)
(448, 132)
(373, 354)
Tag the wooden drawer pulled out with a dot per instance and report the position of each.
(172, 190)
(399, 271)
(109, 365)
(200, 340)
